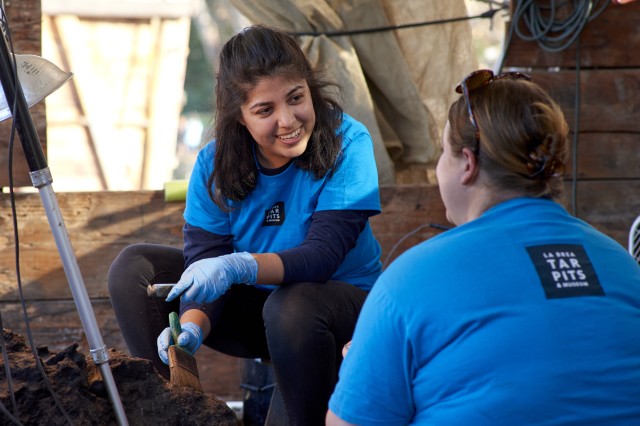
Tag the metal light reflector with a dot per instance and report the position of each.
(38, 78)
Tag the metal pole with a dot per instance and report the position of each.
(41, 178)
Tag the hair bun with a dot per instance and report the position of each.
(543, 163)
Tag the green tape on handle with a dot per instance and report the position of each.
(174, 324)
(175, 190)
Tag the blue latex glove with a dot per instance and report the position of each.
(207, 279)
(190, 339)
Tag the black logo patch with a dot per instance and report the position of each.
(275, 215)
(565, 271)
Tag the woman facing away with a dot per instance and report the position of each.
(521, 314)
(278, 250)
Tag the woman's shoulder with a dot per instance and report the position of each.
(351, 125)
(205, 156)
(353, 130)
(208, 150)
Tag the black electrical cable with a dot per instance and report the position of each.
(4, 21)
(576, 126)
(409, 234)
(552, 35)
(7, 370)
(488, 14)
(543, 25)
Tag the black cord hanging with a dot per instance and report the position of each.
(485, 15)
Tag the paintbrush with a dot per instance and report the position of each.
(160, 291)
(182, 365)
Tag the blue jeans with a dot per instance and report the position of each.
(300, 327)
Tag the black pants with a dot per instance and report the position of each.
(300, 327)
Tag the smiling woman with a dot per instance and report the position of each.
(279, 116)
(279, 252)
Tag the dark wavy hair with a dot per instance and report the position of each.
(255, 53)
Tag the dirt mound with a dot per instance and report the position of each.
(78, 387)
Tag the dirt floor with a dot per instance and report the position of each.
(77, 384)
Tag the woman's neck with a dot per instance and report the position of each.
(485, 197)
(276, 171)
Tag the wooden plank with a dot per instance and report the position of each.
(100, 224)
(609, 99)
(607, 156)
(122, 8)
(167, 66)
(25, 26)
(612, 39)
(127, 95)
(609, 205)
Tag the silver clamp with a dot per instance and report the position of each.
(100, 355)
(41, 177)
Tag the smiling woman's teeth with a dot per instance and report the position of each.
(290, 136)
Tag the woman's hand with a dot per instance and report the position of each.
(207, 279)
(345, 348)
(190, 339)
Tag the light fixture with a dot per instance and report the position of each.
(38, 78)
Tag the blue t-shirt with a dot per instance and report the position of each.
(524, 316)
(276, 215)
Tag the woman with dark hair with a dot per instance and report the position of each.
(278, 252)
(521, 314)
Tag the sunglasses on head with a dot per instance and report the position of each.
(476, 80)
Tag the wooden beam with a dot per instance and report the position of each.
(607, 156)
(122, 8)
(101, 224)
(609, 100)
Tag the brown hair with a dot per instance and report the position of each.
(255, 53)
(523, 136)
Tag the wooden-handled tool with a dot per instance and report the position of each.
(159, 290)
(182, 365)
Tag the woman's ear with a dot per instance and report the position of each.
(471, 169)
